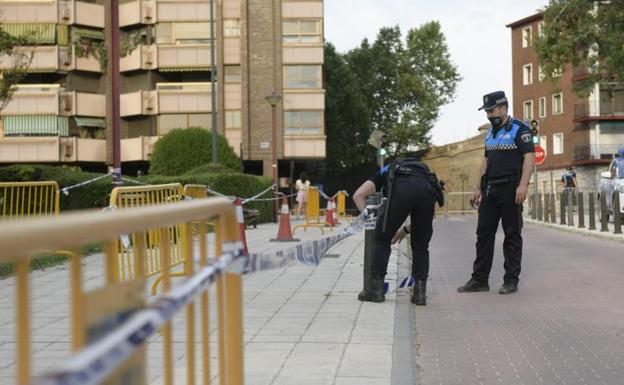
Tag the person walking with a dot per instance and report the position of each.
(302, 185)
(505, 174)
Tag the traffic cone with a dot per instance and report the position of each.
(334, 212)
(329, 217)
(284, 234)
(241, 222)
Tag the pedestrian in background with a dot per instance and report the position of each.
(302, 185)
(569, 185)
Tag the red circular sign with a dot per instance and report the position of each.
(540, 155)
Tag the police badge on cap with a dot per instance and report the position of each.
(492, 100)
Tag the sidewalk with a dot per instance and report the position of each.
(303, 325)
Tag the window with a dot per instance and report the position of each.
(557, 144)
(528, 110)
(527, 38)
(302, 76)
(303, 122)
(557, 104)
(232, 119)
(183, 33)
(231, 28)
(540, 29)
(544, 143)
(527, 74)
(301, 31)
(542, 107)
(232, 74)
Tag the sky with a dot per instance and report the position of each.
(478, 42)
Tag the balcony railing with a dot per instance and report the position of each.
(597, 110)
(143, 57)
(54, 58)
(169, 98)
(137, 12)
(132, 12)
(596, 152)
(50, 99)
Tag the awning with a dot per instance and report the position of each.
(78, 33)
(36, 125)
(183, 69)
(35, 33)
(90, 122)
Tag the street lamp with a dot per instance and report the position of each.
(273, 100)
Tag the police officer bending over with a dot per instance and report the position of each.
(411, 189)
(505, 174)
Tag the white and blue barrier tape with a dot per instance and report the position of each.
(65, 190)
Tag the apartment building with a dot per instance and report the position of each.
(579, 132)
(261, 46)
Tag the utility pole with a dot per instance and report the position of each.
(213, 90)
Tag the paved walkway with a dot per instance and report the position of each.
(304, 325)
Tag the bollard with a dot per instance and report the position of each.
(581, 211)
(540, 216)
(592, 212)
(617, 213)
(546, 207)
(604, 215)
(369, 241)
(533, 206)
(562, 209)
(553, 208)
(570, 208)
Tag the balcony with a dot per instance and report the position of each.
(612, 109)
(81, 13)
(139, 103)
(592, 152)
(136, 149)
(137, 12)
(55, 58)
(52, 149)
(143, 57)
(183, 57)
(311, 147)
(44, 99)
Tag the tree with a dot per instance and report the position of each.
(583, 33)
(405, 85)
(348, 117)
(13, 46)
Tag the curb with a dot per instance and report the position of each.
(576, 230)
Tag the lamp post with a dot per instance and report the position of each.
(273, 100)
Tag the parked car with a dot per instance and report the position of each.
(611, 183)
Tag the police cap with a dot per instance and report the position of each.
(493, 99)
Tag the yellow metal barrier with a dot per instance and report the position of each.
(341, 204)
(198, 191)
(131, 197)
(26, 199)
(313, 212)
(79, 228)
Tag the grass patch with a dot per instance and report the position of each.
(46, 260)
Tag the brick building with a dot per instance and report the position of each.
(579, 132)
(61, 112)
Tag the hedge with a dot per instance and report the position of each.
(181, 150)
(211, 168)
(237, 184)
(89, 196)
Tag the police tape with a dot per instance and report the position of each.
(100, 359)
(65, 190)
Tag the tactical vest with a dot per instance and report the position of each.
(504, 140)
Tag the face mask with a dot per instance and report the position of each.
(496, 121)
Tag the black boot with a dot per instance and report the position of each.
(419, 295)
(376, 292)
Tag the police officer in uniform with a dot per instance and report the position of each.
(411, 189)
(505, 175)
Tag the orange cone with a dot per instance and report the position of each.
(284, 234)
(329, 216)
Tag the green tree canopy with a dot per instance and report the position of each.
(583, 33)
(183, 149)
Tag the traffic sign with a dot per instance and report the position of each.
(540, 155)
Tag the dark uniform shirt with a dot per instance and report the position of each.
(380, 178)
(505, 149)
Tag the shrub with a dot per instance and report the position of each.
(237, 184)
(211, 168)
(92, 195)
(181, 150)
